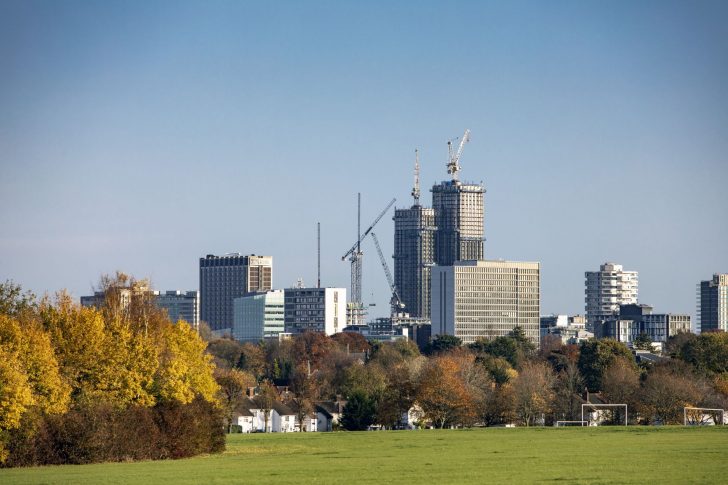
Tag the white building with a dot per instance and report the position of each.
(474, 299)
(315, 309)
(258, 316)
(606, 290)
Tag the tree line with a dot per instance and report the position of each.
(491, 382)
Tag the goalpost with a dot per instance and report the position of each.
(597, 406)
(695, 416)
(571, 423)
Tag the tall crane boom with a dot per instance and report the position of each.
(365, 233)
(395, 301)
(453, 165)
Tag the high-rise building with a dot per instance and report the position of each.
(606, 290)
(414, 253)
(314, 310)
(459, 211)
(713, 303)
(224, 278)
(258, 316)
(486, 299)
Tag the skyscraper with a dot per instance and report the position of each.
(459, 212)
(713, 303)
(224, 278)
(414, 252)
(606, 290)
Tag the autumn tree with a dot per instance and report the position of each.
(351, 342)
(442, 393)
(621, 385)
(226, 352)
(252, 359)
(708, 352)
(666, 391)
(233, 385)
(533, 392)
(266, 398)
(567, 391)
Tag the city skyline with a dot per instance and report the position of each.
(143, 137)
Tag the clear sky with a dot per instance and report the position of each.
(141, 136)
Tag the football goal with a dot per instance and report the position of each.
(703, 416)
(559, 424)
(596, 409)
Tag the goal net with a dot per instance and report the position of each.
(598, 414)
(703, 416)
(571, 423)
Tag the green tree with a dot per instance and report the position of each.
(708, 352)
(442, 343)
(596, 356)
(233, 384)
(358, 413)
(642, 342)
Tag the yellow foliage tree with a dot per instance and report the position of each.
(185, 370)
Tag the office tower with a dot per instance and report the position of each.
(458, 210)
(258, 316)
(606, 290)
(474, 299)
(315, 310)
(414, 237)
(634, 320)
(180, 305)
(224, 278)
(713, 303)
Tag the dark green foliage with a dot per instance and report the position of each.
(642, 342)
(443, 343)
(596, 356)
(359, 412)
(92, 434)
(13, 301)
(708, 352)
(515, 347)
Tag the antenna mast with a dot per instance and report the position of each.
(416, 188)
(318, 247)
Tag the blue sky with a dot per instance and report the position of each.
(141, 136)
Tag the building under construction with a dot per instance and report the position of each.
(458, 208)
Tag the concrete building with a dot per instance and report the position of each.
(606, 290)
(713, 303)
(180, 305)
(258, 316)
(414, 256)
(315, 309)
(569, 329)
(459, 213)
(224, 278)
(634, 320)
(474, 299)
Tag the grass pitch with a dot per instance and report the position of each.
(496, 455)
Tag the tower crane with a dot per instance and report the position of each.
(355, 256)
(395, 302)
(453, 164)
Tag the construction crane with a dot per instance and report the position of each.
(395, 302)
(453, 164)
(356, 256)
(416, 187)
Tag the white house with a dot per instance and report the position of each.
(283, 419)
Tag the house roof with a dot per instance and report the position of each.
(322, 410)
(282, 409)
(332, 407)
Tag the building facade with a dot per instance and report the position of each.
(606, 290)
(414, 256)
(713, 303)
(258, 316)
(315, 310)
(459, 211)
(634, 320)
(224, 278)
(486, 299)
(180, 305)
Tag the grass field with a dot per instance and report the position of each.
(496, 455)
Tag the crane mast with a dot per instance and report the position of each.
(416, 187)
(395, 302)
(453, 164)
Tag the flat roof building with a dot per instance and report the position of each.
(258, 316)
(314, 310)
(486, 299)
(606, 290)
(713, 303)
(224, 278)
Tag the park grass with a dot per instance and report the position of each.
(494, 455)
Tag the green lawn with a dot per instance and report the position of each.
(593, 455)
